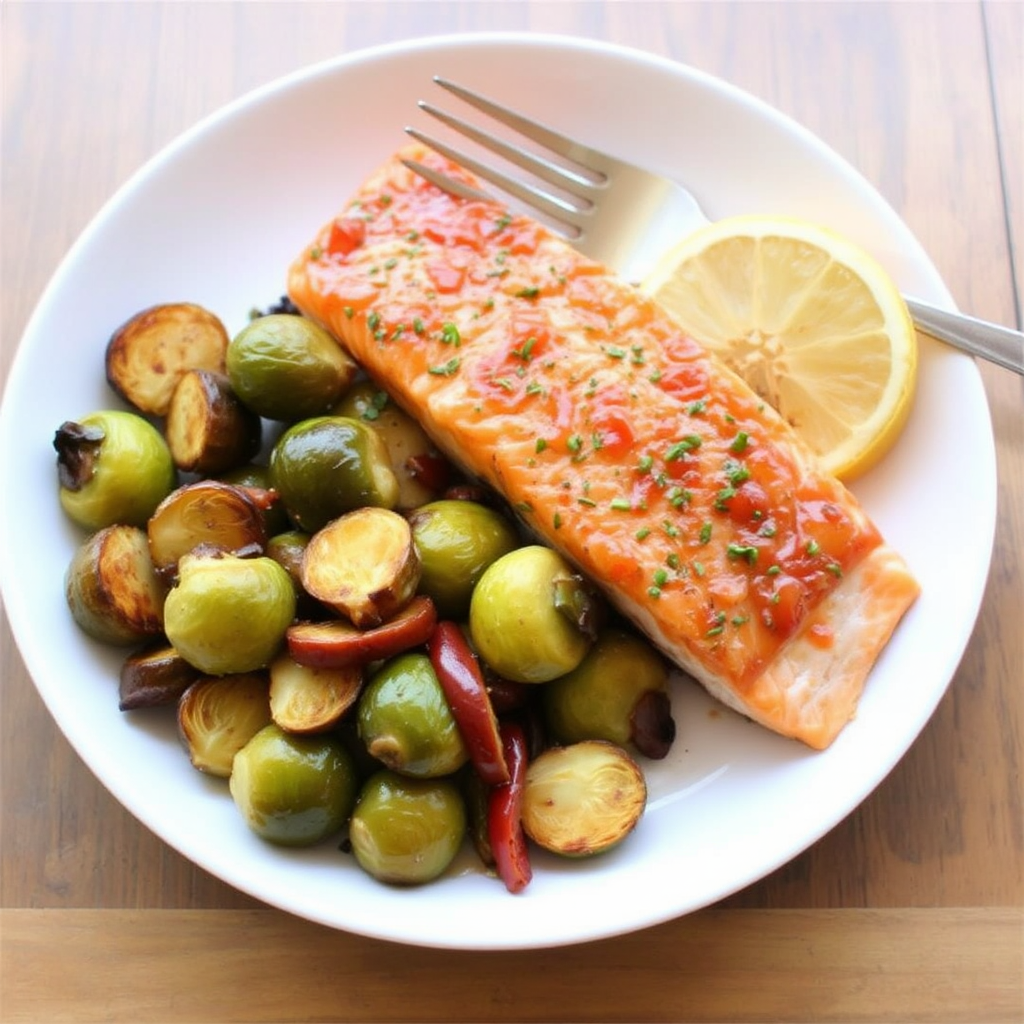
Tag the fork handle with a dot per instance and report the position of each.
(1001, 345)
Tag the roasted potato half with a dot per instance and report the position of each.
(147, 354)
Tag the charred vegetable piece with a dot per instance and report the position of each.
(208, 429)
(329, 465)
(466, 692)
(405, 721)
(364, 565)
(619, 693)
(154, 677)
(228, 614)
(288, 368)
(310, 700)
(457, 541)
(112, 588)
(217, 717)
(583, 799)
(518, 618)
(421, 471)
(504, 814)
(407, 831)
(208, 514)
(293, 790)
(148, 354)
(253, 477)
(336, 643)
(113, 467)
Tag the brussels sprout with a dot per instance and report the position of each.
(457, 541)
(207, 513)
(112, 589)
(582, 799)
(113, 467)
(208, 429)
(255, 478)
(420, 469)
(288, 368)
(310, 700)
(293, 790)
(405, 721)
(218, 716)
(147, 355)
(364, 565)
(619, 692)
(154, 677)
(228, 614)
(329, 465)
(528, 616)
(407, 831)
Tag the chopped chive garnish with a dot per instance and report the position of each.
(445, 369)
(747, 552)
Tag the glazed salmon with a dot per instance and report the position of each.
(618, 440)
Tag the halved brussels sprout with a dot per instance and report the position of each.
(619, 692)
(582, 799)
(528, 615)
(208, 514)
(229, 614)
(154, 677)
(310, 700)
(112, 589)
(457, 541)
(407, 831)
(405, 721)
(288, 368)
(329, 465)
(217, 717)
(147, 355)
(364, 565)
(293, 790)
(113, 467)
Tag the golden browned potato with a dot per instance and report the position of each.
(208, 429)
(147, 354)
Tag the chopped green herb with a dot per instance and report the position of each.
(373, 321)
(528, 293)
(587, 501)
(446, 369)
(575, 443)
(621, 504)
(736, 472)
(747, 552)
(680, 448)
(642, 533)
(645, 464)
(813, 547)
(540, 445)
(417, 325)
(705, 533)
(696, 408)
(524, 352)
(450, 334)
(739, 442)
(614, 352)
(773, 570)
(722, 498)
(654, 591)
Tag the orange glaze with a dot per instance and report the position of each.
(617, 438)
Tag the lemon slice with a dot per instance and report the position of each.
(809, 320)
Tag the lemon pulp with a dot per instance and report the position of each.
(809, 320)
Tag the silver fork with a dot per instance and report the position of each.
(625, 216)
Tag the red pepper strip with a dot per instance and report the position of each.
(464, 688)
(504, 814)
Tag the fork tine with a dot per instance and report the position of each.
(553, 174)
(446, 184)
(589, 159)
(555, 207)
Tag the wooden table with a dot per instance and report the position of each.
(910, 909)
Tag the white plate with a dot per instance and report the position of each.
(217, 217)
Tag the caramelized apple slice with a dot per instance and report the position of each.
(337, 643)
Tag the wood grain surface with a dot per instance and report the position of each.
(908, 910)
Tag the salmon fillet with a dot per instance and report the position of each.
(619, 441)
